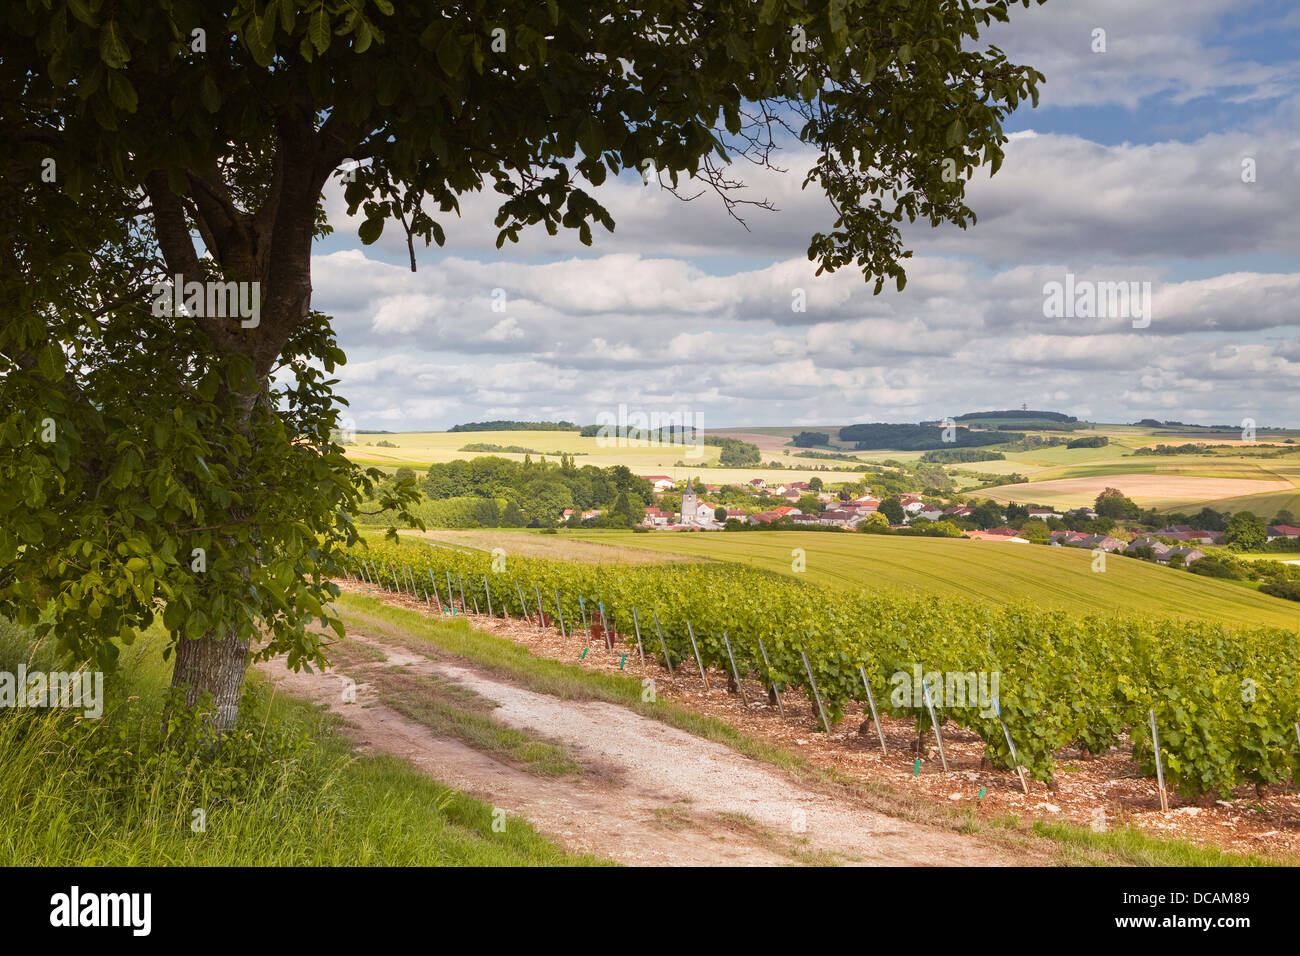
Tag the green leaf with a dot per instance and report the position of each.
(956, 132)
(81, 10)
(371, 230)
(364, 36)
(122, 93)
(318, 29)
(112, 48)
(450, 54)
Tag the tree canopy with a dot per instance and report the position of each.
(184, 461)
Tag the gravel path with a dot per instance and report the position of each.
(656, 796)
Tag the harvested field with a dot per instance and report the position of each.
(1142, 488)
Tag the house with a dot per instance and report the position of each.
(1182, 532)
(785, 510)
(1157, 546)
(799, 486)
(930, 513)
(1087, 513)
(655, 518)
(1042, 514)
(958, 511)
(1282, 531)
(1100, 542)
(914, 506)
(660, 483)
(763, 517)
(804, 520)
(704, 510)
(837, 518)
(1187, 554)
(1075, 539)
(1004, 531)
(741, 516)
(867, 504)
(757, 484)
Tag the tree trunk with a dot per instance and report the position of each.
(212, 665)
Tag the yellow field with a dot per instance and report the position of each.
(1174, 483)
(421, 449)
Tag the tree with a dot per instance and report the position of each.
(720, 514)
(816, 484)
(513, 516)
(225, 120)
(810, 505)
(1207, 519)
(892, 511)
(546, 500)
(1246, 531)
(1113, 503)
(1284, 517)
(1035, 531)
(986, 515)
(875, 523)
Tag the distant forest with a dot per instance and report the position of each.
(1017, 413)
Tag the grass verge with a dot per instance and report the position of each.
(130, 789)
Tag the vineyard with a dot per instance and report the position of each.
(1225, 701)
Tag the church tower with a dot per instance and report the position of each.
(690, 504)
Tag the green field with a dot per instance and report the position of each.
(985, 570)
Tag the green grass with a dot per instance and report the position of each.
(1060, 578)
(285, 790)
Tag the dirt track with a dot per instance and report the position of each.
(656, 795)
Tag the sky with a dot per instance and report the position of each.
(1135, 168)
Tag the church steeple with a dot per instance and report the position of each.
(690, 504)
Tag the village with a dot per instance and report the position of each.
(810, 506)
